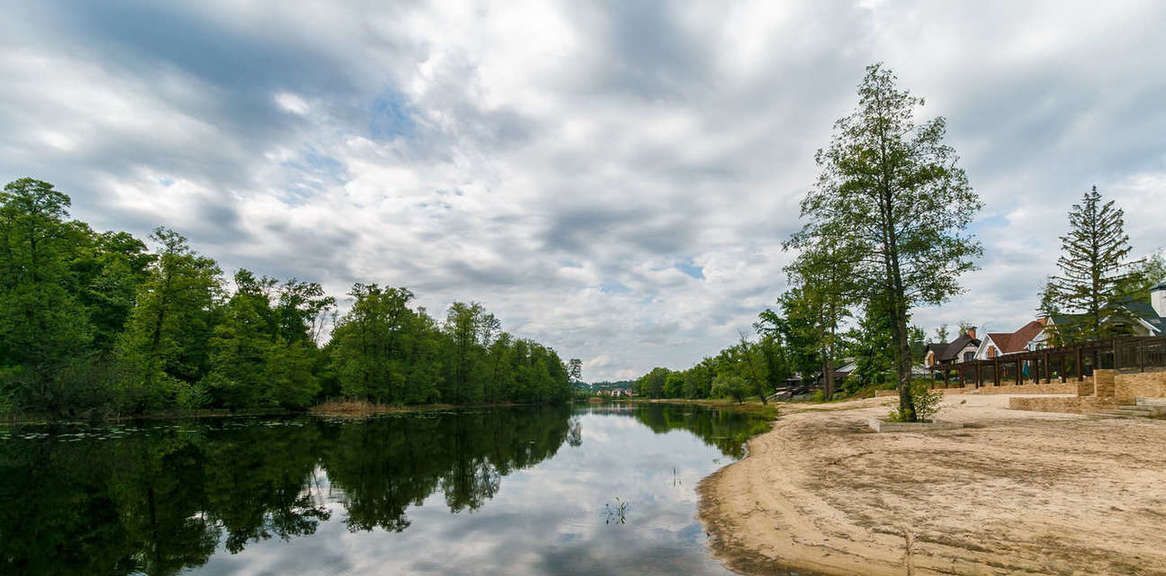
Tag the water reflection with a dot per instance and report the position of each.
(228, 496)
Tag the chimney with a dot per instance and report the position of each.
(972, 332)
(1158, 299)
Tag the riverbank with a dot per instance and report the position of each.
(1014, 492)
(768, 411)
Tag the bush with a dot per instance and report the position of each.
(925, 400)
(726, 386)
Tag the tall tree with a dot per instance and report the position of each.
(165, 349)
(892, 199)
(1094, 268)
(44, 328)
(818, 302)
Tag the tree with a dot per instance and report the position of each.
(165, 349)
(1094, 269)
(44, 329)
(893, 205)
(651, 385)
(942, 334)
(730, 386)
(674, 385)
(817, 302)
(575, 370)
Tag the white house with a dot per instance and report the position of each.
(1029, 337)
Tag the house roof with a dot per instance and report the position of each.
(1010, 342)
(950, 350)
(1159, 286)
(1146, 313)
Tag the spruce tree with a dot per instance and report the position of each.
(1093, 266)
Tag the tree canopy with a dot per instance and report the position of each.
(98, 323)
(891, 206)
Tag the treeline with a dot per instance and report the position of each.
(788, 346)
(98, 323)
(749, 368)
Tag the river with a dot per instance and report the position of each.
(552, 490)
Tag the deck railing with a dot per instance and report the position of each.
(1077, 361)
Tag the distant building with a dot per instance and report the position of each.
(962, 349)
(1145, 318)
(1027, 338)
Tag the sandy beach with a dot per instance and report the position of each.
(1012, 493)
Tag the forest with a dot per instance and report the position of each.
(101, 323)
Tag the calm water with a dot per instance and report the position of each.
(509, 491)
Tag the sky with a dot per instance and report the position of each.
(614, 179)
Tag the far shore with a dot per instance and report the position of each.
(1012, 492)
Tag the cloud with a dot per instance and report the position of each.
(611, 179)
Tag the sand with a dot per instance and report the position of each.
(1014, 493)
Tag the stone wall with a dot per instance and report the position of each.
(1029, 387)
(1103, 383)
(1067, 404)
(1128, 387)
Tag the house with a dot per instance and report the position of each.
(1144, 318)
(1031, 336)
(962, 349)
(1151, 317)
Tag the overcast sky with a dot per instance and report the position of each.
(613, 179)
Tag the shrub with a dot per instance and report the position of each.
(926, 402)
(726, 386)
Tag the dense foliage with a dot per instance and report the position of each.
(95, 323)
(889, 214)
(745, 369)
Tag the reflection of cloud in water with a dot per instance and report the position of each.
(547, 519)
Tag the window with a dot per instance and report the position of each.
(969, 356)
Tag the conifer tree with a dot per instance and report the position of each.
(1093, 267)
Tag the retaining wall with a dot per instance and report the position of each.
(1066, 404)
(1031, 388)
(1127, 387)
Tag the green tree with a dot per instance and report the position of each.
(373, 344)
(45, 331)
(674, 385)
(165, 349)
(651, 385)
(1094, 269)
(894, 205)
(730, 386)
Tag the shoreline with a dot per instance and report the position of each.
(1013, 492)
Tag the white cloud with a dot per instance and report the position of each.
(559, 161)
(292, 103)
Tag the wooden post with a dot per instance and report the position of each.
(996, 370)
(1080, 375)
(1019, 372)
(979, 373)
(962, 378)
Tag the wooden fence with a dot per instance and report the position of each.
(1128, 353)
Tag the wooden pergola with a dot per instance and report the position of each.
(1061, 363)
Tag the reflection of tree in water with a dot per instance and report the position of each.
(162, 500)
(723, 429)
(575, 432)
